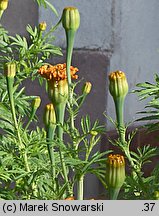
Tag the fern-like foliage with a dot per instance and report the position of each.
(151, 113)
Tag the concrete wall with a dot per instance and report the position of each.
(95, 20)
(19, 14)
(135, 48)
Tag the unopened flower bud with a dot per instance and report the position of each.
(58, 91)
(118, 85)
(42, 26)
(10, 69)
(3, 5)
(115, 171)
(94, 133)
(70, 18)
(156, 195)
(49, 115)
(36, 102)
(87, 88)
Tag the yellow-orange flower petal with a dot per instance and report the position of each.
(57, 72)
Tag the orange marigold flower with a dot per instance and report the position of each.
(57, 72)
(70, 198)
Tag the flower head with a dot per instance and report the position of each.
(57, 81)
(57, 72)
(10, 69)
(49, 115)
(58, 91)
(70, 198)
(156, 195)
(87, 88)
(70, 18)
(42, 26)
(3, 5)
(36, 102)
(118, 85)
(115, 167)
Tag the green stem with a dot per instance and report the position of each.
(80, 188)
(127, 153)
(30, 119)
(89, 148)
(60, 111)
(52, 29)
(50, 136)
(1, 13)
(70, 35)
(119, 106)
(80, 181)
(114, 192)
(10, 82)
(81, 101)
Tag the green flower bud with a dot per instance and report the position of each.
(70, 18)
(42, 26)
(87, 88)
(49, 115)
(58, 91)
(94, 133)
(156, 195)
(36, 102)
(35, 105)
(118, 85)
(115, 171)
(3, 5)
(10, 69)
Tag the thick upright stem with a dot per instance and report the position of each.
(10, 81)
(113, 192)
(80, 188)
(50, 136)
(1, 13)
(119, 106)
(60, 111)
(70, 35)
(30, 120)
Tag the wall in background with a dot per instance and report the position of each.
(135, 47)
(19, 14)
